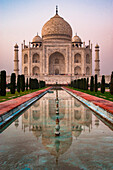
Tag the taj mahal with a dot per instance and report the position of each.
(56, 56)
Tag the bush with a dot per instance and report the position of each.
(42, 84)
(3, 83)
(96, 84)
(18, 84)
(92, 84)
(13, 83)
(103, 84)
(111, 84)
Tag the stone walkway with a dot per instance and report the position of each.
(104, 104)
(13, 103)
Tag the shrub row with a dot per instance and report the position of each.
(21, 85)
(84, 84)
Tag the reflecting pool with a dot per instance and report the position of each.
(30, 143)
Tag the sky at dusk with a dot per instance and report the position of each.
(22, 19)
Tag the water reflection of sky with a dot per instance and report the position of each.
(30, 141)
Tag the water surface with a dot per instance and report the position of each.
(30, 143)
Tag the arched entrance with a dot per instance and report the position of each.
(56, 64)
(56, 72)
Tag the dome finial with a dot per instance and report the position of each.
(56, 10)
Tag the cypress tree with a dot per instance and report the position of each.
(111, 84)
(30, 83)
(13, 83)
(3, 83)
(92, 84)
(27, 84)
(22, 84)
(87, 84)
(96, 84)
(103, 84)
(18, 84)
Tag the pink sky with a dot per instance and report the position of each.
(92, 20)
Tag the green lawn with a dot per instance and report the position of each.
(106, 95)
(10, 96)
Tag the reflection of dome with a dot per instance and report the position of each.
(76, 133)
(56, 28)
(56, 146)
(76, 39)
(37, 39)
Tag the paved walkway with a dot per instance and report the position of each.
(105, 104)
(13, 103)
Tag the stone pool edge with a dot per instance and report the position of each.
(98, 110)
(10, 114)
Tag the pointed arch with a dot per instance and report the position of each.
(77, 58)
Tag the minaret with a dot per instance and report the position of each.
(16, 61)
(97, 65)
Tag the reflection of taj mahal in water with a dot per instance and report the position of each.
(74, 119)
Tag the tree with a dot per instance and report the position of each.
(18, 84)
(30, 83)
(111, 84)
(96, 84)
(22, 83)
(3, 83)
(103, 84)
(92, 84)
(87, 84)
(13, 82)
(27, 84)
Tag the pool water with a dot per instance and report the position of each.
(30, 143)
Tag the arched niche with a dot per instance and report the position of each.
(36, 58)
(87, 71)
(77, 70)
(56, 63)
(25, 70)
(77, 114)
(25, 58)
(77, 58)
(36, 70)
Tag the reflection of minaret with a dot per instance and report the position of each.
(16, 123)
(96, 122)
(57, 144)
(57, 133)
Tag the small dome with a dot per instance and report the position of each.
(16, 46)
(57, 28)
(37, 39)
(97, 46)
(76, 39)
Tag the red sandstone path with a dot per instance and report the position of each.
(13, 103)
(104, 104)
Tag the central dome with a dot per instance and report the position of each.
(56, 28)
